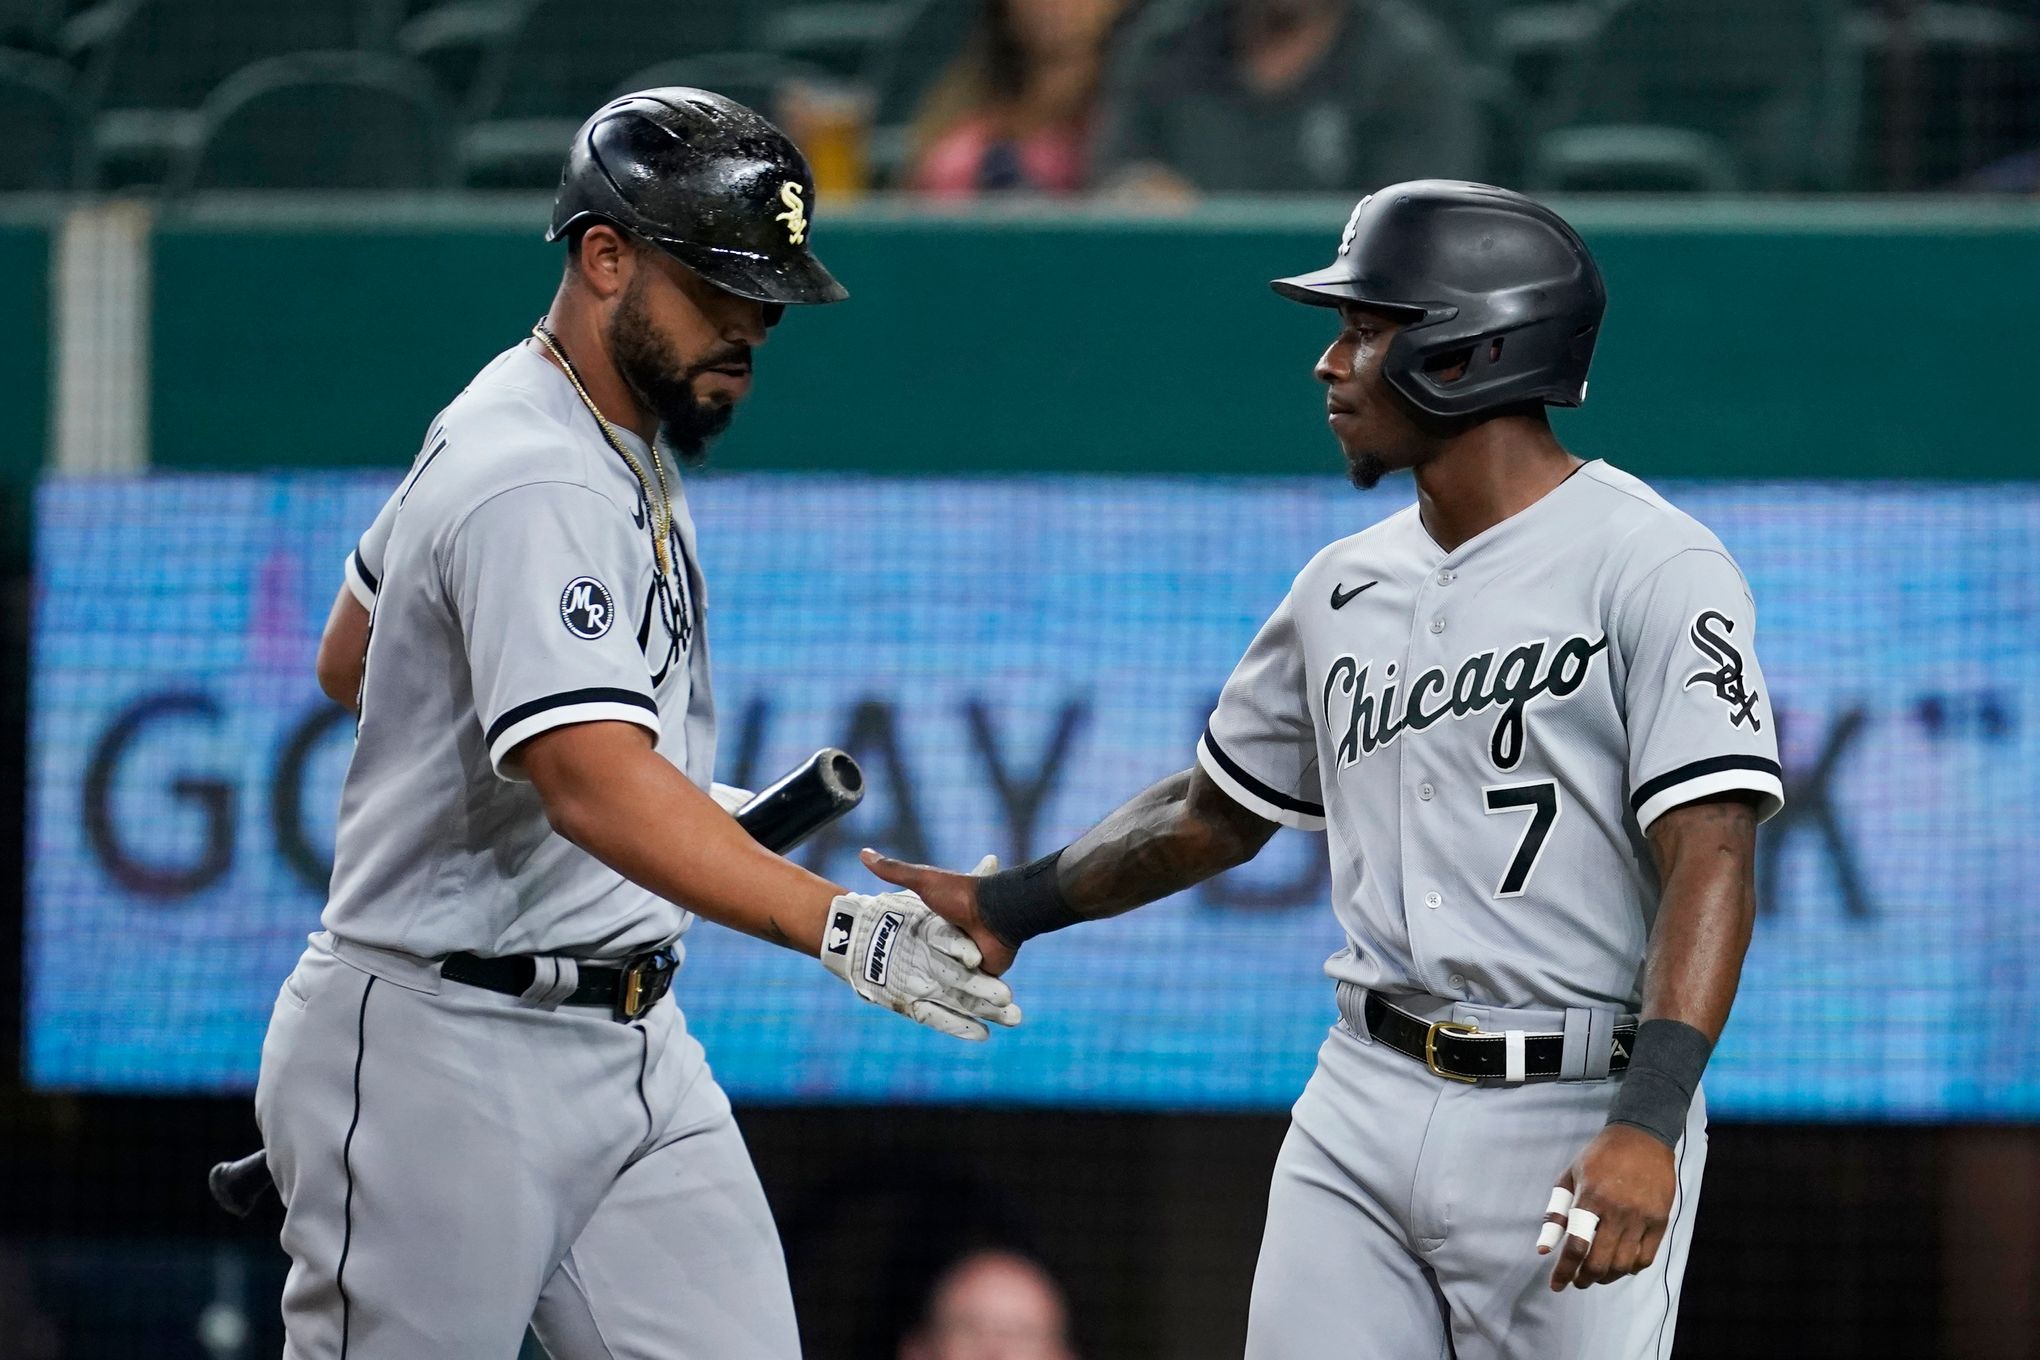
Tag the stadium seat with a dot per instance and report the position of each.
(842, 36)
(757, 79)
(377, 22)
(1706, 94)
(1533, 43)
(562, 59)
(148, 64)
(320, 120)
(30, 25)
(47, 142)
(456, 41)
(1636, 158)
(566, 54)
(1771, 84)
(1477, 25)
(1968, 73)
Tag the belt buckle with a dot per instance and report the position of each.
(645, 980)
(1431, 1048)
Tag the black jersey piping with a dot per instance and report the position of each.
(600, 694)
(1287, 802)
(373, 581)
(347, 1165)
(1651, 788)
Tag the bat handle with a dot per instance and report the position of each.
(239, 1186)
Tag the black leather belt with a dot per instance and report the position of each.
(627, 992)
(1460, 1052)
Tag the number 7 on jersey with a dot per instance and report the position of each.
(1540, 800)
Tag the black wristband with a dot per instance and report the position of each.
(1018, 904)
(1664, 1071)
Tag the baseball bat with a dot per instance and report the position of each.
(804, 800)
(779, 817)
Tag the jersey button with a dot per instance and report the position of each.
(1458, 982)
(1446, 578)
(1424, 791)
(1438, 625)
(1432, 899)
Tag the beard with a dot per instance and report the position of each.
(1365, 470)
(664, 385)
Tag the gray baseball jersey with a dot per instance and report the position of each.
(1487, 733)
(513, 589)
(455, 1163)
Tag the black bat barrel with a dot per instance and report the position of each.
(823, 788)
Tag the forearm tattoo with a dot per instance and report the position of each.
(1176, 834)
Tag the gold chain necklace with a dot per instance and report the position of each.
(661, 515)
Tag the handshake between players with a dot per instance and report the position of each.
(483, 1110)
(897, 953)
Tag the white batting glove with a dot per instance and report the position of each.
(896, 953)
(729, 797)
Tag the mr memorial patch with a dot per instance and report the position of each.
(587, 608)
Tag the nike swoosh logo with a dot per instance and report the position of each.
(1342, 598)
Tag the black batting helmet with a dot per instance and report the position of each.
(708, 181)
(1478, 273)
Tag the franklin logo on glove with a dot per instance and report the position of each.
(880, 956)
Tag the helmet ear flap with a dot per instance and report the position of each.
(1542, 361)
(1450, 365)
(1417, 368)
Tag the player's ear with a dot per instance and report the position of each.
(604, 259)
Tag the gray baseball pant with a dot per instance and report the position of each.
(1404, 1210)
(456, 1164)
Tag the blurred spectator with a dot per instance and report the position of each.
(992, 1305)
(1255, 96)
(1016, 108)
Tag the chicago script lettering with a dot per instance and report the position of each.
(1371, 719)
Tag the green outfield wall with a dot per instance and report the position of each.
(1745, 339)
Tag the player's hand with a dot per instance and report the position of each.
(896, 953)
(1626, 1180)
(952, 896)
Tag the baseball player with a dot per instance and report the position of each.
(1527, 713)
(480, 1108)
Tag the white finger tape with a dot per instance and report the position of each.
(1583, 1224)
(1561, 1205)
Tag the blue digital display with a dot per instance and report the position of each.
(1010, 659)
